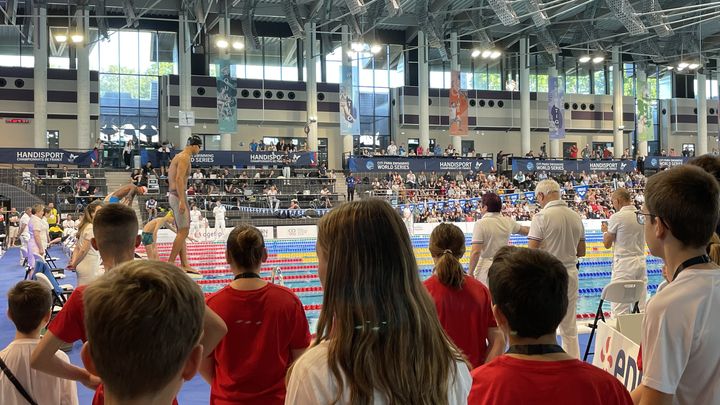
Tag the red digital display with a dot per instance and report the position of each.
(17, 121)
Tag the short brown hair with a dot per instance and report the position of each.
(686, 199)
(143, 320)
(622, 195)
(28, 303)
(709, 163)
(246, 246)
(115, 228)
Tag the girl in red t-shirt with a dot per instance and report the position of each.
(473, 329)
(267, 329)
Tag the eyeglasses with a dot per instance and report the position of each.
(641, 216)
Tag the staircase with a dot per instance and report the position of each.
(117, 179)
(341, 185)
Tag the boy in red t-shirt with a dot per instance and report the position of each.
(529, 291)
(267, 329)
(144, 321)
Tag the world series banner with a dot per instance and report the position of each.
(556, 101)
(644, 110)
(226, 99)
(458, 106)
(349, 101)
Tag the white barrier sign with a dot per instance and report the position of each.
(295, 232)
(617, 355)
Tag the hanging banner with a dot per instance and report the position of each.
(42, 156)
(458, 106)
(349, 100)
(226, 99)
(644, 110)
(556, 101)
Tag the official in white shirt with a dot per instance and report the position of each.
(628, 237)
(681, 337)
(559, 231)
(24, 233)
(219, 214)
(490, 233)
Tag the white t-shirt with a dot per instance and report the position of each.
(681, 338)
(493, 231)
(392, 150)
(312, 382)
(629, 234)
(219, 212)
(559, 230)
(195, 215)
(38, 225)
(25, 220)
(43, 388)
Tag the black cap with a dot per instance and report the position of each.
(194, 140)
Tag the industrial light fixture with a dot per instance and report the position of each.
(475, 53)
(77, 37)
(375, 49)
(598, 58)
(670, 67)
(495, 54)
(683, 65)
(693, 66)
(238, 45)
(584, 59)
(486, 53)
(61, 38)
(221, 43)
(357, 46)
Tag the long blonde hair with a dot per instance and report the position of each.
(380, 324)
(713, 248)
(88, 215)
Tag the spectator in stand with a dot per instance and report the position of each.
(472, 329)
(151, 208)
(165, 155)
(543, 150)
(673, 153)
(69, 226)
(450, 151)
(490, 234)
(29, 309)
(250, 362)
(350, 182)
(273, 201)
(573, 151)
(586, 152)
(325, 197)
(53, 217)
(158, 346)
(437, 150)
(402, 150)
(626, 234)
(253, 146)
(127, 154)
(375, 308)
(392, 149)
(686, 151)
(13, 218)
(559, 230)
(680, 342)
(607, 153)
(85, 259)
(148, 170)
(136, 177)
(529, 291)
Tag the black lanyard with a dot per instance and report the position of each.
(247, 275)
(691, 262)
(533, 350)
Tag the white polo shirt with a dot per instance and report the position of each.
(681, 338)
(559, 230)
(629, 234)
(493, 231)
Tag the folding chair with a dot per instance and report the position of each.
(44, 273)
(49, 259)
(618, 292)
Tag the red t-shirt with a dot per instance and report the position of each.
(509, 380)
(99, 398)
(251, 361)
(466, 315)
(69, 324)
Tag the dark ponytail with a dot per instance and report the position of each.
(447, 245)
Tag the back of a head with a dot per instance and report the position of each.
(547, 186)
(529, 286)
(622, 195)
(709, 163)
(87, 217)
(37, 209)
(375, 308)
(246, 247)
(447, 245)
(115, 228)
(143, 319)
(686, 199)
(492, 202)
(29, 302)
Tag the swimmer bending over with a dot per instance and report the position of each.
(125, 194)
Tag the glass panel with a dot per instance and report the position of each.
(583, 85)
(273, 59)
(333, 65)
(289, 59)
(665, 85)
(599, 80)
(130, 55)
(494, 77)
(253, 62)
(629, 80)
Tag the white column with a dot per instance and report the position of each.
(346, 61)
(525, 140)
(185, 75)
(83, 87)
(225, 138)
(455, 65)
(618, 121)
(423, 92)
(642, 146)
(554, 143)
(701, 98)
(40, 52)
(311, 54)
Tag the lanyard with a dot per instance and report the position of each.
(691, 262)
(532, 350)
(247, 275)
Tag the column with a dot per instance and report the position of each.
(311, 85)
(525, 95)
(346, 61)
(84, 140)
(642, 146)
(701, 98)
(185, 75)
(618, 121)
(555, 151)
(455, 65)
(40, 52)
(225, 139)
(423, 92)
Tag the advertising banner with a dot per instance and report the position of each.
(42, 156)
(349, 100)
(644, 110)
(241, 159)
(617, 355)
(458, 106)
(556, 108)
(559, 166)
(658, 162)
(390, 164)
(226, 99)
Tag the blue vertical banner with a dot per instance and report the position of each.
(349, 100)
(226, 99)
(556, 101)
